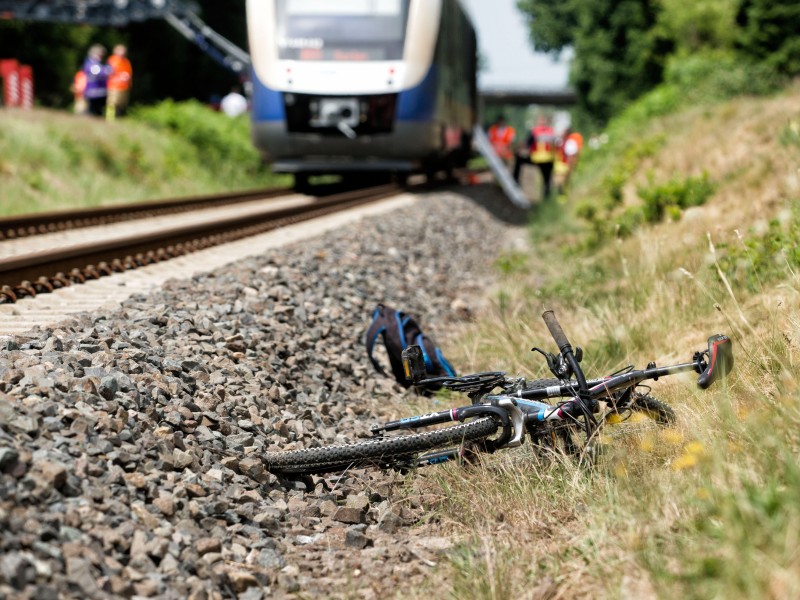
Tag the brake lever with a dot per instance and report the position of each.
(555, 365)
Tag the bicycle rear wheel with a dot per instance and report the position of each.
(377, 452)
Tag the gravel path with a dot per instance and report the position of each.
(130, 442)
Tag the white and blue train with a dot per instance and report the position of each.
(342, 86)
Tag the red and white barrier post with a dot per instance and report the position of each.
(9, 71)
(26, 87)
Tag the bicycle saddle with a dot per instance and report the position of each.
(720, 360)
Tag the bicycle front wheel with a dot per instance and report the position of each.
(644, 407)
(642, 418)
(377, 452)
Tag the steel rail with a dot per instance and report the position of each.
(43, 272)
(17, 226)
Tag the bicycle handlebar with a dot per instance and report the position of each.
(720, 360)
(555, 330)
(566, 349)
(720, 363)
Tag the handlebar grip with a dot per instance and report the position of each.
(555, 329)
(720, 360)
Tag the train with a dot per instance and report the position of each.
(383, 87)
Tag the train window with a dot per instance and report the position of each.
(344, 30)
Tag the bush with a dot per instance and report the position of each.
(629, 221)
(759, 259)
(714, 76)
(768, 33)
(675, 195)
(626, 166)
(667, 199)
(587, 210)
(221, 142)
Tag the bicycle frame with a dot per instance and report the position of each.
(524, 408)
(502, 405)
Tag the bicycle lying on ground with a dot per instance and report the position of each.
(512, 407)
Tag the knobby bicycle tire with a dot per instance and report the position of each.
(565, 437)
(659, 411)
(377, 451)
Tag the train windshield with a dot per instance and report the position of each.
(342, 30)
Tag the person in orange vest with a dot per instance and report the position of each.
(540, 151)
(572, 147)
(77, 88)
(501, 136)
(119, 82)
(569, 148)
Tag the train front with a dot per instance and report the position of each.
(344, 85)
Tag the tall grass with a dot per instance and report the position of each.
(52, 160)
(708, 509)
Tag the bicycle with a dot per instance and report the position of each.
(520, 407)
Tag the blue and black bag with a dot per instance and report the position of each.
(400, 330)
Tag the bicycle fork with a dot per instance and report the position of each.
(503, 408)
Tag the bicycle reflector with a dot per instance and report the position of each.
(720, 360)
(414, 364)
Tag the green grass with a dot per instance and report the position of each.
(756, 259)
(54, 161)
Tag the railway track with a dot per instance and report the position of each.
(20, 226)
(28, 273)
(19, 321)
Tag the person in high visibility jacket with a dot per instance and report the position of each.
(573, 144)
(119, 83)
(540, 151)
(78, 88)
(569, 149)
(501, 136)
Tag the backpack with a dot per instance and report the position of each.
(400, 330)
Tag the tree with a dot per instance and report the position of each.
(55, 51)
(769, 33)
(552, 24)
(619, 54)
(696, 25)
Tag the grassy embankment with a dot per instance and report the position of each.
(53, 160)
(686, 224)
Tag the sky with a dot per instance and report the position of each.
(504, 43)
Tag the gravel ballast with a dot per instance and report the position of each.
(130, 442)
